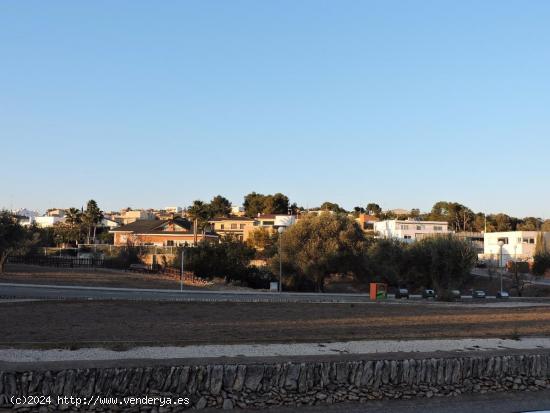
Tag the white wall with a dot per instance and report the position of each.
(46, 221)
(409, 230)
(519, 245)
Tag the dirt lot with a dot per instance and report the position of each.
(122, 324)
(30, 274)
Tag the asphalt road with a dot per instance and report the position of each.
(36, 291)
(41, 291)
(512, 402)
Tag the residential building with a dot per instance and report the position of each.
(109, 223)
(474, 238)
(55, 212)
(410, 230)
(233, 225)
(173, 210)
(274, 221)
(47, 221)
(172, 232)
(366, 222)
(25, 216)
(516, 245)
(127, 216)
(237, 211)
(399, 212)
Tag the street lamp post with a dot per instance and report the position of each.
(501, 244)
(181, 271)
(280, 230)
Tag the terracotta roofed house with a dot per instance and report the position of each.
(170, 232)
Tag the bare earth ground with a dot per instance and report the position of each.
(30, 274)
(122, 324)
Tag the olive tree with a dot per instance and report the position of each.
(320, 245)
(446, 260)
(13, 237)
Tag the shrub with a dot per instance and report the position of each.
(228, 259)
(541, 263)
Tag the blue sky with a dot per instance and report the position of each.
(149, 104)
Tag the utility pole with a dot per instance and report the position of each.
(181, 271)
(280, 231)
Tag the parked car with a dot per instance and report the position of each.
(402, 293)
(503, 294)
(479, 294)
(455, 294)
(428, 293)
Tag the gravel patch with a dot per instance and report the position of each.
(273, 350)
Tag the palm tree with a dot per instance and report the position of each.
(199, 212)
(73, 218)
(91, 217)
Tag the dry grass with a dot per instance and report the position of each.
(120, 324)
(29, 274)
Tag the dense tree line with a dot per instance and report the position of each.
(80, 225)
(318, 246)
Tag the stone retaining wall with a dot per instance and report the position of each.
(263, 384)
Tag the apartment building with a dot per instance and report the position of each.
(410, 230)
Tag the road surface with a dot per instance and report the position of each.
(40, 291)
(512, 402)
(37, 291)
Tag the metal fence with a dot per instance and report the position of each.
(74, 262)
(56, 261)
(110, 249)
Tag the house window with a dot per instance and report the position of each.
(170, 243)
(268, 223)
(419, 228)
(233, 226)
(408, 237)
(242, 226)
(404, 227)
(438, 228)
(504, 240)
(222, 226)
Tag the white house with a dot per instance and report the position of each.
(25, 216)
(109, 223)
(516, 245)
(47, 221)
(409, 230)
(274, 220)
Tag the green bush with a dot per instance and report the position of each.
(541, 263)
(446, 261)
(122, 258)
(228, 259)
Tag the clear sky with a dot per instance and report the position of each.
(151, 104)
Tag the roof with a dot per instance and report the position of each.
(146, 226)
(232, 219)
(368, 218)
(413, 222)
